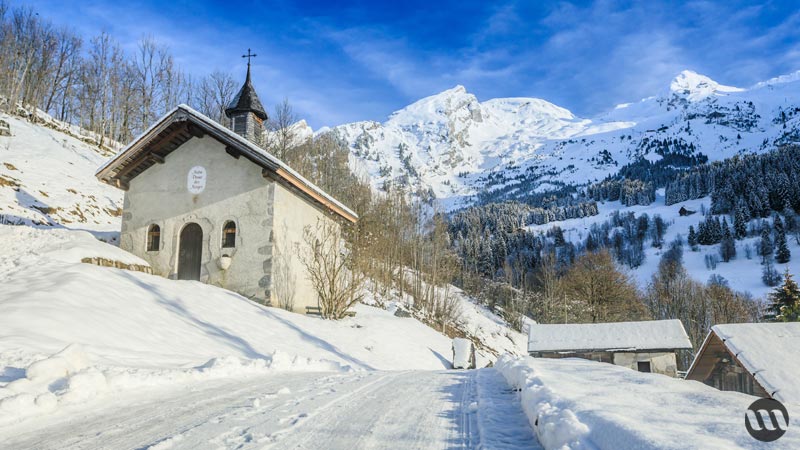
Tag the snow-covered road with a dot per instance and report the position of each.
(370, 410)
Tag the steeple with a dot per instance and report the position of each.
(245, 110)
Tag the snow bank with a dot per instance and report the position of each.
(575, 404)
(124, 318)
(71, 331)
(24, 246)
(556, 426)
(68, 377)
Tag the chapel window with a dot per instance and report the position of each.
(153, 238)
(229, 234)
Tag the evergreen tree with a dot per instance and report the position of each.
(727, 248)
(716, 227)
(765, 247)
(778, 224)
(591, 244)
(692, 238)
(785, 306)
(740, 220)
(782, 254)
(558, 236)
(789, 217)
(658, 230)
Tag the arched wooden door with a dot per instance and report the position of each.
(190, 252)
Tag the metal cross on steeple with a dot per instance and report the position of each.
(248, 56)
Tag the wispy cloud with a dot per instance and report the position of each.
(340, 63)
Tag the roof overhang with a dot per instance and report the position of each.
(184, 123)
(710, 355)
(610, 350)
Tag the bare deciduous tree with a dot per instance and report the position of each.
(329, 266)
(281, 135)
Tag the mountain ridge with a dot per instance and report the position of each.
(452, 147)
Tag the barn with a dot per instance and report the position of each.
(203, 202)
(761, 359)
(648, 346)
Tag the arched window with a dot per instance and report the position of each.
(153, 238)
(229, 234)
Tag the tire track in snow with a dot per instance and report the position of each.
(365, 410)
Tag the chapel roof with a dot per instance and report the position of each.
(183, 123)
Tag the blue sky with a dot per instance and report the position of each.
(340, 62)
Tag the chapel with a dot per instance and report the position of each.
(204, 202)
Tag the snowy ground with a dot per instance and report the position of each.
(374, 410)
(575, 403)
(95, 357)
(47, 177)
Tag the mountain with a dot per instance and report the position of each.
(452, 147)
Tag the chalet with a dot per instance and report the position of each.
(203, 202)
(685, 212)
(761, 359)
(648, 346)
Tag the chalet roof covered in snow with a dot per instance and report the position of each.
(621, 336)
(183, 123)
(768, 351)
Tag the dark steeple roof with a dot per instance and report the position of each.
(247, 100)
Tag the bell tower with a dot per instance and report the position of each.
(246, 113)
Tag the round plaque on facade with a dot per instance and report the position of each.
(196, 180)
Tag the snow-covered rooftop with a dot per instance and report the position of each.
(182, 111)
(769, 351)
(648, 335)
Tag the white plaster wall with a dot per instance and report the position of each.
(660, 362)
(291, 215)
(235, 190)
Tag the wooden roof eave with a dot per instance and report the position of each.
(694, 374)
(691, 374)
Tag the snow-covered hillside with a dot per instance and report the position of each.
(452, 146)
(743, 273)
(47, 177)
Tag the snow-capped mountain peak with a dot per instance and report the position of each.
(460, 150)
(696, 87)
(447, 105)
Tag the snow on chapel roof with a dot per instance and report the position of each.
(769, 351)
(649, 335)
(183, 122)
